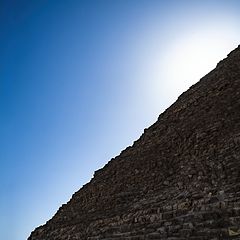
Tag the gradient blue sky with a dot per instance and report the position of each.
(80, 80)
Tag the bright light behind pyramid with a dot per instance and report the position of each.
(194, 55)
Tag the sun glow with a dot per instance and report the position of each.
(194, 55)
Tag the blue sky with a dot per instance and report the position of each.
(79, 82)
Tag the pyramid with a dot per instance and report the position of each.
(179, 180)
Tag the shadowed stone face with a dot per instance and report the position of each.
(179, 180)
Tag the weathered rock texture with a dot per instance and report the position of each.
(179, 180)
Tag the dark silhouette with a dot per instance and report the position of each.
(179, 180)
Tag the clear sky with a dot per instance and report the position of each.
(79, 82)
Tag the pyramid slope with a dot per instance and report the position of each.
(179, 180)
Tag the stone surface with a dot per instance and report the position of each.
(179, 180)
